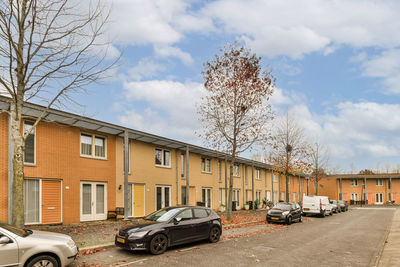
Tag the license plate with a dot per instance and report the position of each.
(121, 240)
(306, 209)
(275, 218)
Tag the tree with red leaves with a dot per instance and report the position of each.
(235, 112)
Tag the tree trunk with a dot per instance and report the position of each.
(229, 204)
(17, 213)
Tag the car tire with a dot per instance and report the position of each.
(43, 260)
(323, 214)
(301, 218)
(289, 220)
(158, 244)
(215, 234)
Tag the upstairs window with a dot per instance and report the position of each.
(182, 165)
(236, 170)
(163, 157)
(90, 141)
(29, 154)
(354, 182)
(275, 178)
(205, 165)
(379, 182)
(258, 177)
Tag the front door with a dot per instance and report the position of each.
(93, 201)
(163, 196)
(206, 197)
(138, 200)
(51, 202)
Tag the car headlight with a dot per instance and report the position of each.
(285, 213)
(136, 235)
(71, 243)
(269, 212)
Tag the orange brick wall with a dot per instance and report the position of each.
(3, 167)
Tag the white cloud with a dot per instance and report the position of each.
(298, 27)
(145, 68)
(387, 67)
(170, 51)
(170, 108)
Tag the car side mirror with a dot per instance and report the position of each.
(4, 240)
(177, 220)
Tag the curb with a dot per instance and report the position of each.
(239, 224)
(105, 245)
(375, 263)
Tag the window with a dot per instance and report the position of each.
(200, 213)
(183, 194)
(185, 215)
(379, 182)
(354, 196)
(88, 141)
(183, 165)
(379, 198)
(245, 174)
(163, 157)
(206, 165)
(275, 199)
(219, 172)
(236, 197)
(236, 170)
(275, 178)
(294, 197)
(206, 197)
(288, 177)
(258, 195)
(258, 174)
(29, 155)
(354, 182)
(268, 195)
(282, 196)
(221, 196)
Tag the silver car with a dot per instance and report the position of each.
(23, 247)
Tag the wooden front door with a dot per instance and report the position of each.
(138, 200)
(51, 202)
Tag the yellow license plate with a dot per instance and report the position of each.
(275, 218)
(306, 209)
(121, 240)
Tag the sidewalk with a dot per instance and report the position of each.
(92, 235)
(391, 251)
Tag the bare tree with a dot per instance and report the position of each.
(319, 161)
(352, 168)
(290, 152)
(387, 167)
(235, 112)
(49, 50)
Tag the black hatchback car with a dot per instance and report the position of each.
(168, 227)
(285, 213)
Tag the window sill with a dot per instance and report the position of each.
(206, 172)
(27, 164)
(91, 157)
(164, 167)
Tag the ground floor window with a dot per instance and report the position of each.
(206, 197)
(294, 197)
(32, 201)
(93, 201)
(379, 198)
(354, 196)
(282, 196)
(258, 195)
(236, 197)
(221, 194)
(275, 199)
(163, 196)
(268, 195)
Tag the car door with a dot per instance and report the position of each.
(181, 229)
(294, 211)
(201, 223)
(8, 251)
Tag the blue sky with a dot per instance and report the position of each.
(337, 65)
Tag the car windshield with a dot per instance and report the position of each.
(282, 206)
(163, 215)
(15, 230)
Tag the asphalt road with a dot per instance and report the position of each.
(353, 238)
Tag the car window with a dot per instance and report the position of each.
(15, 230)
(200, 213)
(163, 215)
(185, 215)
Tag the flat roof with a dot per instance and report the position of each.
(63, 117)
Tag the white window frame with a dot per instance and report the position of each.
(236, 170)
(93, 138)
(163, 196)
(208, 190)
(182, 166)
(268, 195)
(354, 182)
(294, 197)
(258, 195)
(94, 216)
(236, 191)
(274, 178)
(288, 177)
(354, 196)
(258, 176)
(163, 165)
(40, 201)
(34, 145)
(379, 196)
(221, 196)
(379, 182)
(204, 167)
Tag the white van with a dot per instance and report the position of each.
(317, 205)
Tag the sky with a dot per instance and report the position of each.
(337, 65)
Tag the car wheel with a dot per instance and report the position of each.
(158, 244)
(215, 234)
(289, 220)
(301, 218)
(43, 260)
(323, 214)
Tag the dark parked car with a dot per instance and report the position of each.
(343, 205)
(168, 227)
(285, 213)
(335, 206)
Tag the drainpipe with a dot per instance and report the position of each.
(176, 176)
(308, 186)
(10, 170)
(252, 186)
(390, 190)
(340, 189)
(187, 175)
(226, 182)
(272, 187)
(365, 190)
(126, 170)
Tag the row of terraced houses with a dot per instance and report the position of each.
(74, 171)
